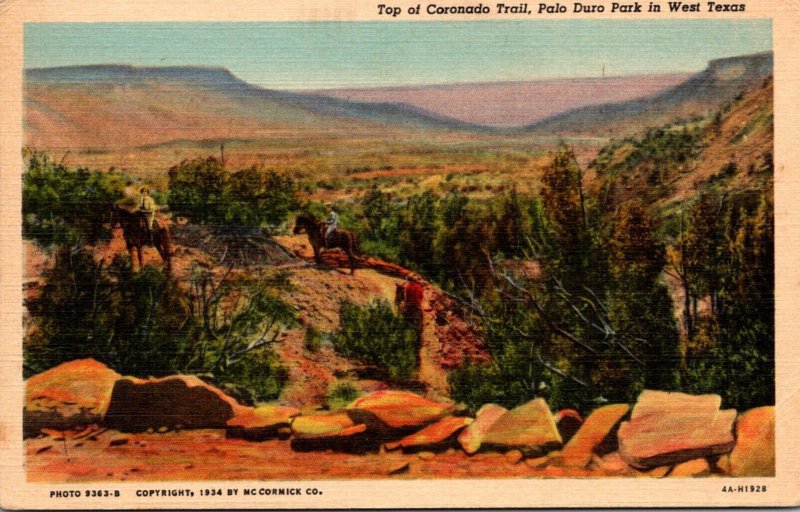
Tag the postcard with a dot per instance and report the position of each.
(399, 255)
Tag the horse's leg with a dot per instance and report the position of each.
(348, 248)
(317, 256)
(139, 254)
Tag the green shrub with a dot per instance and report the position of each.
(137, 323)
(312, 340)
(341, 393)
(144, 323)
(66, 206)
(377, 336)
(204, 191)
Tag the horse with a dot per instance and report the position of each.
(134, 231)
(408, 299)
(341, 238)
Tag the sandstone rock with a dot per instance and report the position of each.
(754, 452)
(69, 395)
(695, 467)
(529, 428)
(336, 431)
(426, 455)
(322, 424)
(513, 456)
(400, 469)
(613, 465)
(670, 428)
(471, 437)
(260, 423)
(399, 409)
(659, 472)
(178, 400)
(568, 422)
(594, 431)
(433, 436)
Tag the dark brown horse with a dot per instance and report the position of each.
(136, 236)
(341, 238)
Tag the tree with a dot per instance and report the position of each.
(66, 206)
(639, 305)
(204, 191)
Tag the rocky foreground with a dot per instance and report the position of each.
(85, 422)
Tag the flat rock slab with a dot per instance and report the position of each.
(432, 436)
(529, 428)
(322, 425)
(400, 409)
(594, 431)
(331, 431)
(69, 395)
(261, 423)
(754, 453)
(670, 428)
(178, 401)
(471, 437)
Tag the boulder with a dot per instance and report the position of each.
(670, 428)
(471, 437)
(568, 421)
(594, 432)
(322, 424)
(260, 423)
(70, 395)
(691, 468)
(754, 452)
(433, 437)
(529, 428)
(331, 431)
(400, 409)
(178, 401)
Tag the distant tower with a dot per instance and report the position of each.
(604, 70)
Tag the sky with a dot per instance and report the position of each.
(319, 55)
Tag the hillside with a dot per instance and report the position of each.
(108, 106)
(510, 104)
(717, 85)
(730, 150)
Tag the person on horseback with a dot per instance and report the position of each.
(147, 208)
(332, 222)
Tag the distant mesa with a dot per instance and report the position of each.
(119, 106)
(719, 83)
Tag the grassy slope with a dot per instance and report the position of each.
(744, 137)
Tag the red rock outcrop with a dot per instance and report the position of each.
(471, 437)
(670, 428)
(754, 453)
(529, 428)
(178, 401)
(433, 437)
(72, 394)
(400, 409)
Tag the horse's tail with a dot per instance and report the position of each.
(356, 245)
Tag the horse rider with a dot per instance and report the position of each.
(147, 207)
(332, 222)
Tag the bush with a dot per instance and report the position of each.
(204, 191)
(312, 340)
(66, 206)
(137, 323)
(143, 323)
(377, 336)
(341, 393)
